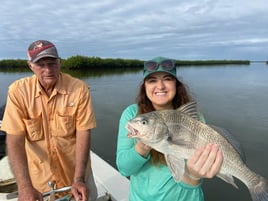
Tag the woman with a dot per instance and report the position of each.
(150, 178)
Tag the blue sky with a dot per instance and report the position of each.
(179, 29)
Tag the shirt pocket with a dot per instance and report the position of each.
(34, 128)
(64, 125)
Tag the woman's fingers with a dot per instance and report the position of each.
(206, 161)
(216, 165)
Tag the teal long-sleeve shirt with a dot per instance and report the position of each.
(148, 182)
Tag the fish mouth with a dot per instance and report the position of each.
(132, 131)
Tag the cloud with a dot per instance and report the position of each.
(193, 29)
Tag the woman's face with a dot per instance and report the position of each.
(160, 88)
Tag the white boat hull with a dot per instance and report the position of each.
(110, 184)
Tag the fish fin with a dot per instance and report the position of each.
(232, 140)
(259, 192)
(180, 142)
(183, 141)
(191, 110)
(227, 178)
(176, 166)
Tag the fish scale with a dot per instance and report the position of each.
(205, 134)
(177, 133)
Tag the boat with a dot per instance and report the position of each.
(111, 185)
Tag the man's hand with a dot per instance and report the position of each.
(80, 191)
(29, 194)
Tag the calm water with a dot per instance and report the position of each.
(233, 97)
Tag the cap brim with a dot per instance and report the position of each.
(147, 73)
(43, 56)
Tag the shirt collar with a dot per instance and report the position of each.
(59, 87)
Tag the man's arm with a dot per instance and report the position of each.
(19, 166)
(79, 188)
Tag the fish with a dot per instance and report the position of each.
(177, 133)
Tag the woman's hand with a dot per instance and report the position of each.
(142, 149)
(204, 163)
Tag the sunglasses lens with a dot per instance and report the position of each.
(150, 65)
(168, 64)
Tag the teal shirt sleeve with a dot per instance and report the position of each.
(128, 161)
(190, 193)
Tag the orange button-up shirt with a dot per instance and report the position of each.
(49, 125)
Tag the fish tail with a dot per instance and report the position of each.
(259, 192)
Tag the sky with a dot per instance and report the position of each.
(140, 29)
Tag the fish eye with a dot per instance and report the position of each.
(143, 121)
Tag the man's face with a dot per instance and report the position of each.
(47, 71)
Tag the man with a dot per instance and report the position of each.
(48, 119)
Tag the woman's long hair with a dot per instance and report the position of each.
(181, 97)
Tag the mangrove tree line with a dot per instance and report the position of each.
(86, 63)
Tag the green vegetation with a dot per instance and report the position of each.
(83, 62)
(12, 64)
(87, 63)
(78, 63)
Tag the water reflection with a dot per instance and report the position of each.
(234, 98)
(100, 72)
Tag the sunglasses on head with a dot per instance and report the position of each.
(166, 65)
